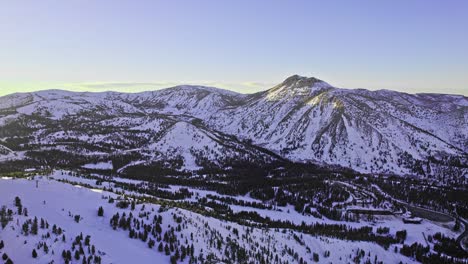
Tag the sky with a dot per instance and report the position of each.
(243, 45)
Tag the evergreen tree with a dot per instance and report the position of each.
(34, 227)
(100, 211)
(77, 255)
(316, 257)
(87, 240)
(158, 228)
(25, 229)
(1, 244)
(401, 235)
(20, 210)
(17, 201)
(166, 250)
(151, 243)
(4, 217)
(182, 253)
(34, 253)
(173, 260)
(160, 247)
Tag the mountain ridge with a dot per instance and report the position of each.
(301, 119)
(232, 91)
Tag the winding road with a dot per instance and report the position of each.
(433, 216)
(429, 214)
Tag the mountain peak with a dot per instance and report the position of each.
(300, 81)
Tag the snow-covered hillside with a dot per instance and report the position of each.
(144, 232)
(380, 131)
(302, 119)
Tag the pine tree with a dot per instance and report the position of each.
(173, 260)
(17, 201)
(20, 209)
(34, 227)
(160, 247)
(34, 253)
(183, 253)
(87, 239)
(158, 228)
(166, 249)
(1, 244)
(151, 243)
(316, 257)
(25, 229)
(100, 211)
(4, 217)
(77, 255)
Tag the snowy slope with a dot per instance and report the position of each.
(196, 146)
(381, 131)
(115, 246)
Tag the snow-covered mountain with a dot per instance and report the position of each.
(302, 119)
(370, 131)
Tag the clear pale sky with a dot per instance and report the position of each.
(406, 45)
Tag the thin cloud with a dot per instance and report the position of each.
(120, 85)
(243, 87)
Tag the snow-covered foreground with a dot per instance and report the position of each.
(53, 201)
(58, 203)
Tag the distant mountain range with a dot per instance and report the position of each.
(192, 127)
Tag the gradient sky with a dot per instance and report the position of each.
(134, 45)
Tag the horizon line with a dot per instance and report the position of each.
(80, 87)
